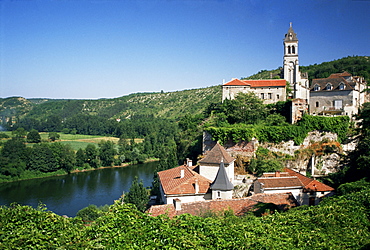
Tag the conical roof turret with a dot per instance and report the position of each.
(222, 181)
(290, 36)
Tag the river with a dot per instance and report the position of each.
(67, 194)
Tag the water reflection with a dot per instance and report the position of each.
(68, 194)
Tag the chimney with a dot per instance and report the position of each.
(182, 173)
(196, 186)
(277, 174)
(177, 204)
(189, 162)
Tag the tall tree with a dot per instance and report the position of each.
(137, 195)
(107, 153)
(33, 136)
(91, 155)
(245, 108)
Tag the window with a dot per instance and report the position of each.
(316, 88)
(317, 104)
(338, 104)
(341, 86)
(269, 96)
(293, 50)
(289, 50)
(278, 96)
(329, 86)
(262, 96)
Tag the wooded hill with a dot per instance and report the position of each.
(172, 105)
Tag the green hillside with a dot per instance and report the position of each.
(172, 105)
(166, 105)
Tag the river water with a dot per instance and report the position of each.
(67, 194)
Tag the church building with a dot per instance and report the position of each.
(274, 90)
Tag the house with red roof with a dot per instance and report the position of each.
(270, 91)
(210, 163)
(305, 190)
(212, 179)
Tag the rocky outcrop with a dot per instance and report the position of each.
(319, 154)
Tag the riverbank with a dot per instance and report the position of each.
(29, 175)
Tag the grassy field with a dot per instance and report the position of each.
(77, 141)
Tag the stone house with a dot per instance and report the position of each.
(212, 179)
(305, 190)
(270, 91)
(339, 94)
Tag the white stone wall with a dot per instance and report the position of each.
(224, 195)
(270, 94)
(210, 172)
(188, 198)
(325, 101)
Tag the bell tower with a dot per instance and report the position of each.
(291, 64)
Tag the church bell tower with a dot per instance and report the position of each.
(291, 64)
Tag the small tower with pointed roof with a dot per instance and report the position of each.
(221, 187)
(209, 165)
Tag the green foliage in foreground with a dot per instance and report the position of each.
(337, 223)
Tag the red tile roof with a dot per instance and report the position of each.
(336, 75)
(281, 182)
(239, 206)
(236, 82)
(309, 184)
(266, 83)
(172, 183)
(215, 155)
(257, 83)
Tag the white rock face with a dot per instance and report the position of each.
(314, 164)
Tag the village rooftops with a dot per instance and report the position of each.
(183, 180)
(289, 178)
(280, 182)
(310, 184)
(257, 83)
(238, 206)
(217, 155)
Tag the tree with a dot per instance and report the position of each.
(107, 153)
(19, 133)
(42, 159)
(91, 155)
(33, 136)
(245, 108)
(137, 195)
(80, 158)
(53, 136)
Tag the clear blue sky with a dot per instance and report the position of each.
(109, 48)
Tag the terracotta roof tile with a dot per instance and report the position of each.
(335, 75)
(266, 83)
(172, 183)
(280, 182)
(309, 184)
(167, 209)
(236, 82)
(257, 83)
(239, 206)
(216, 154)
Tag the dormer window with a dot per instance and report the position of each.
(316, 88)
(329, 86)
(342, 86)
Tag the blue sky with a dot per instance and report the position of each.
(108, 48)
